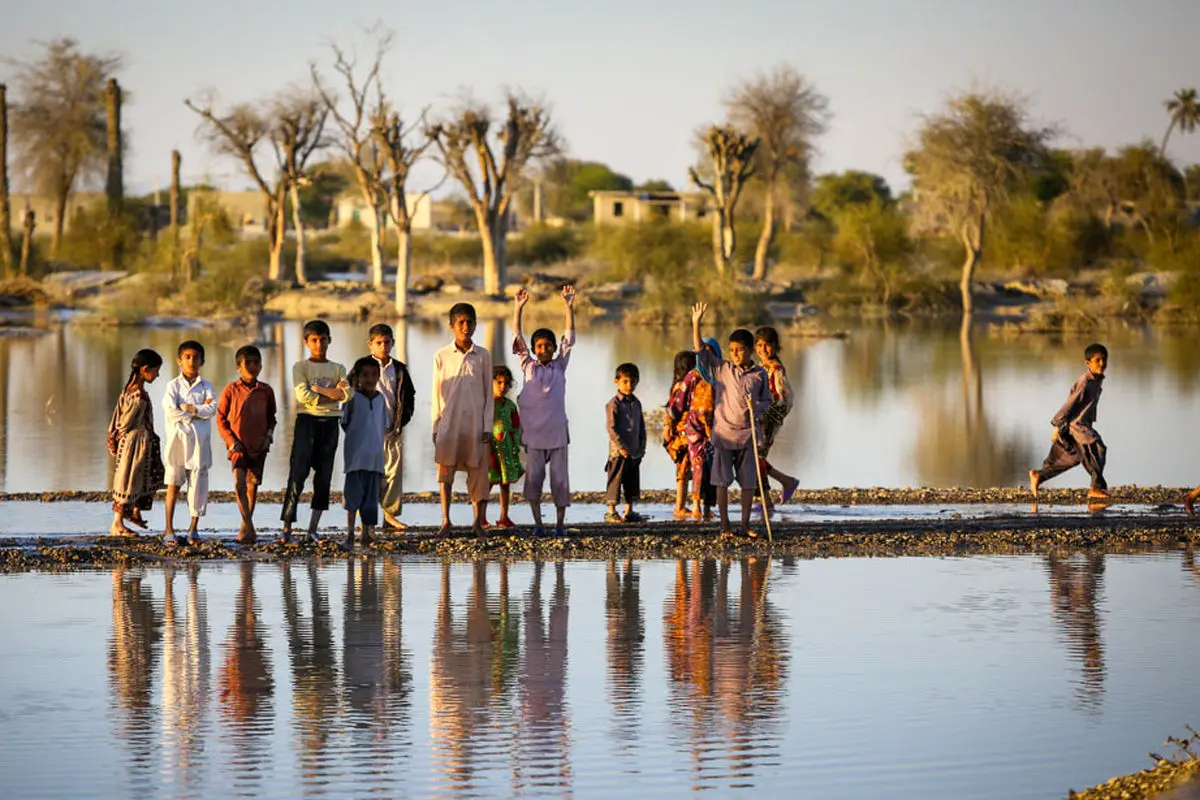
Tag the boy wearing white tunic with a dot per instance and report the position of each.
(190, 404)
(462, 415)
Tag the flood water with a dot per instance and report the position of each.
(982, 677)
(885, 407)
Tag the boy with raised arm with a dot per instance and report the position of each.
(542, 404)
(738, 386)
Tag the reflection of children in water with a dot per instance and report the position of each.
(314, 670)
(727, 667)
(245, 684)
(131, 655)
(185, 684)
(1075, 586)
(626, 630)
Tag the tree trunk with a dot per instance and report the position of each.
(378, 227)
(403, 262)
(176, 161)
(114, 188)
(718, 249)
(500, 243)
(1162, 151)
(27, 242)
(487, 239)
(298, 226)
(973, 242)
(6, 254)
(766, 237)
(60, 211)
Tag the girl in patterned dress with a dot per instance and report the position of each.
(504, 467)
(766, 345)
(135, 445)
(689, 426)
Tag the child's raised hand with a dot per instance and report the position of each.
(568, 295)
(698, 311)
(521, 297)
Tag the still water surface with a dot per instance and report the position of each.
(981, 677)
(885, 407)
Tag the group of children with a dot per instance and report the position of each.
(722, 418)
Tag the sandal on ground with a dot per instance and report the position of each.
(193, 539)
(560, 532)
(282, 538)
(539, 531)
(634, 516)
(505, 522)
(613, 516)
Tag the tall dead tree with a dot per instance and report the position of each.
(732, 161)
(114, 183)
(30, 225)
(400, 156)
(358, 142)
(176, 161)
(6, 254)
(490, 182)
(786, 113)
(298, 132)
(239, 133)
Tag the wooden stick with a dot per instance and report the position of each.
(762, 490)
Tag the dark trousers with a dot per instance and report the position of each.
(624, 475)
(1066, 453)
(361, 491)
(314, 444)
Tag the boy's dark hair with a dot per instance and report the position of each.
(190, 344)
(629, 370)
(542, 333)
(246, 351)
(743, 337)
(381, 329)
(366, 362)
(499, 370)
(769, 335)
(1095, 349)
(462, 310)
(685, 362)
(318, 326)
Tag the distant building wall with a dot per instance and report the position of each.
(612, 207)
(350, 208)
(45, 212)
(247, 210)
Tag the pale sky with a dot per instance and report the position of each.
(629, 81)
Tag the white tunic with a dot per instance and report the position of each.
(188, 443)
(462, 405)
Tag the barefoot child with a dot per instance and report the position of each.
(246, 422)
(1074, 440)
(462, 414)
(766, 345)
(543, 405)
(397, 387)
(689, 422)
(735, 382)
(626, 446)
(505, 465)
(189, 404)
(320, 388)
(675, 433)
(364, 419)
(132, 440)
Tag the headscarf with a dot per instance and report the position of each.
(705, 372)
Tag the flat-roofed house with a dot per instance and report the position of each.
(609, 206)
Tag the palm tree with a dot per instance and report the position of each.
(1185, 113)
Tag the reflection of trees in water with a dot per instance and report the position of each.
(626, 630)
(246, 684)
(314, 669)
(375, 668)
(956, 443)
(185, 685)
(1075, 587)
(131, 655)
(471, 669)
(727, 664)
(543, 742)
(873, 363)
(1188, 561)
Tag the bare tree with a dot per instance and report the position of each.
(30, 224)
(731, 154)
(400, 156)
(58, 121)
(966, 160)
(6, 254)
(114, 184)
(786, 112)
(526, 135)
(298, 128)
(176, 161)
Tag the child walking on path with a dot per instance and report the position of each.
(320, 388)
(687, 437)
(505, 465)
(1075, 440)
(365, 421)
(736, 383)
(246, 422)
(766, 345)
(626, 446)
(189, 404)
(543, 405)
(400, 395)
(133, 442)
(462, 411)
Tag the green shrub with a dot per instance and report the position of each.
(542, 244)
(646, 250)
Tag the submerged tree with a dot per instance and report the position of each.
(966, 160)
(786, 112)
(492, 181)
(58, 121)
(732, 156)
(1184, 112)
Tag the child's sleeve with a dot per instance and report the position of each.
(223, 426)
(762, 398)
(171, 402)
(305, 396)
(271, 414)
(208, 409)
(641, 448)
(1067, 412)
(610, 420)
(489, 402)
(521, 351)
(437, 403)
(564, 349)
(408, 396)
(347, 413)
(347, 391)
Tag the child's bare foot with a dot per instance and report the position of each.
(1035, 480)
(118, 529)
(726, 534)
(366, 535)
(136, 519)
(444, 530)
(697, 514)
(480, 529)
(1098, 494)
(749, 533)
(349, 539)
(1188, 505)
(393, 523)
(285, 536)
(169, 532)
(682, 512)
